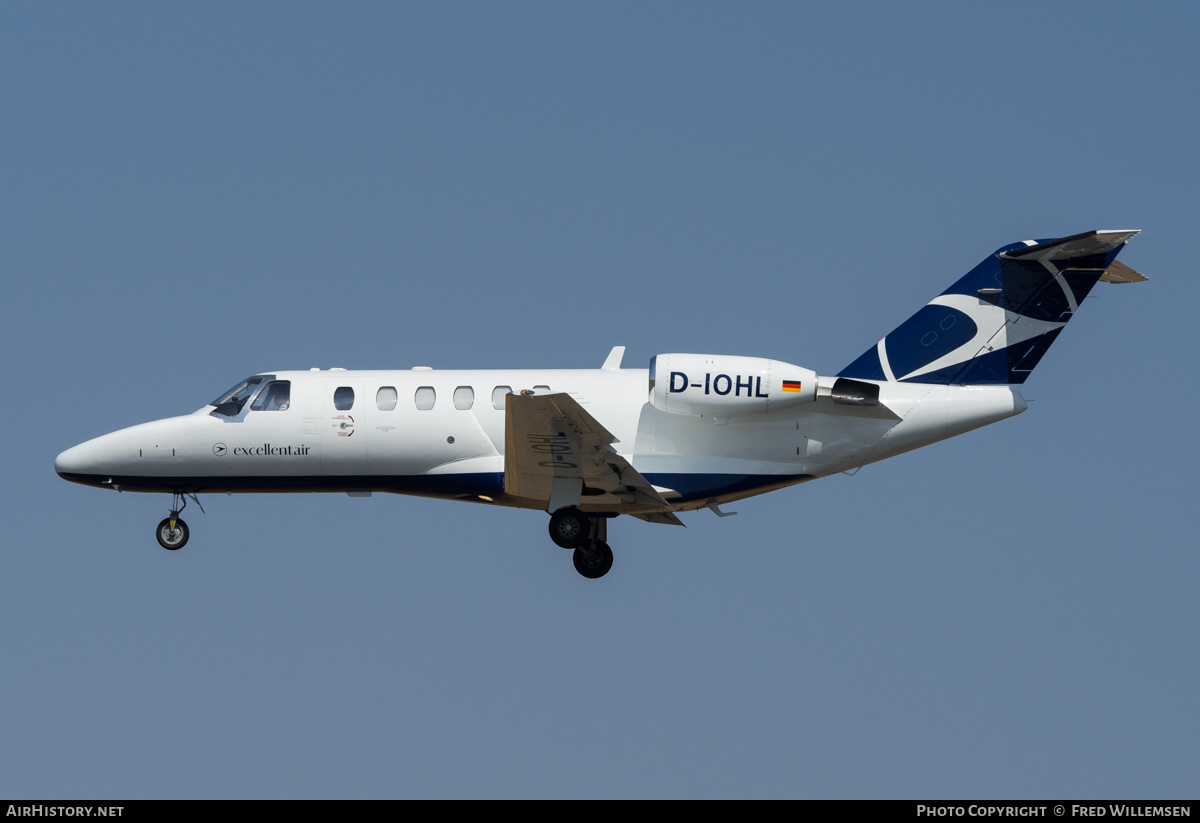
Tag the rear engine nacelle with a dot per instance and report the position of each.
(724, 386)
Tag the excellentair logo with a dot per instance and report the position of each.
(267, 450)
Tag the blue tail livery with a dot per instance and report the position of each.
(995, 324)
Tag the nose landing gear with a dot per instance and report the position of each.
(172, 532)
(572, 529)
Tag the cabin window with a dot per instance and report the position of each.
(425, 398)
(464, 397)
(230, 404)
(343, 398)
(386, 398)
(498, 395)
(275, 397)
(541, 389)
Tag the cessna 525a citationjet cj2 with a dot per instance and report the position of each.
(586, 445)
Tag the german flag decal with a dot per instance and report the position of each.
(791, 385)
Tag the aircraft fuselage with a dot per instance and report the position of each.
(442, 434)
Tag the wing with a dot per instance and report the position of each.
(557, 453)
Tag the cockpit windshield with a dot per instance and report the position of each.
(230, 404)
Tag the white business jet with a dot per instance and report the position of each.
(585, 445)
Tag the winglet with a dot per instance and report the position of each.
(613, 361)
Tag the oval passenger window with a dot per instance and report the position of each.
(425, 398)
(386, 398)
(464, 397)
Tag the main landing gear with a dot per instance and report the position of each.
(172, 532)
(572, 529)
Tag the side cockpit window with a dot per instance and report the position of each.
(231, 403)
(275, 397)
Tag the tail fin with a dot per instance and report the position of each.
(994, 324)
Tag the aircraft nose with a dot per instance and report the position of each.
(77, 460)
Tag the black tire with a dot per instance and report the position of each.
(593, 563)
(172, 539)
(569, 528)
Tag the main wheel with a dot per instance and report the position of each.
(569, 528)
(172, 539)
(595, 562)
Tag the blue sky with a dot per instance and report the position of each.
(192, 194)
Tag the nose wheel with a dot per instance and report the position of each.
(172, 532)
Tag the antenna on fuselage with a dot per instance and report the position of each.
(613, 361)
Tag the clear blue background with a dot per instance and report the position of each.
(192, 194)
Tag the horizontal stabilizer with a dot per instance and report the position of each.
(1076, 248)
(1120, 273)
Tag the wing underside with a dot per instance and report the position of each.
(557, 454)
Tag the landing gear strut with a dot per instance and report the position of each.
(172, 532)
(572, 529)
